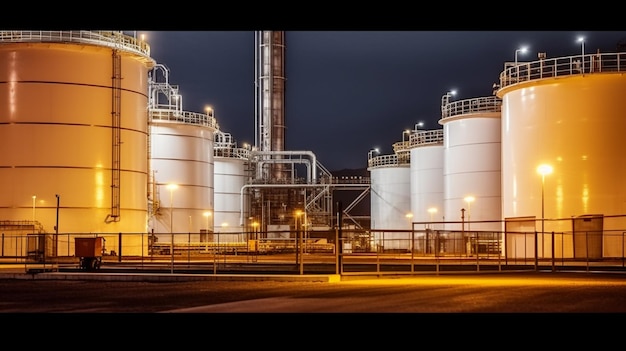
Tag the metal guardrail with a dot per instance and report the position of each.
(477, 105)
(186, 117)
(112, 39)
(563, 66)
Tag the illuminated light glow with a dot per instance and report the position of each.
(13, 86)
(469, 199)
(99, 190)
(585, 198)
(559, 202)
(544, 169)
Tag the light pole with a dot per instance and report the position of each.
(544, 170)
(370, 154)
(522, 50)
(172, 187)
(56, 228)
(469, 199)
(34, 199)
(298, 241)
(432, 212)
(445, 100)
(407, 132)
(582, 57)
(207, 214)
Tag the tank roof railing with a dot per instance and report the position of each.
(235, 152)
(112, 39)
(475, 105)
(563, 66)
(194, 118)
(388, 160)
(423, 137)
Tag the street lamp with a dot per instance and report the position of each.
(469, 199)
(523, 50)
(445, 100)
(544, 170)
(207, 214)
(56, 227)
(407, 132)
(298, 241)
(582, 58)
(370, 154)
(34, 199)
(432, 212)
(172, 187)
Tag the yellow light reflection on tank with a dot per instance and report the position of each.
(585, 198)
(99, 186)
(12, 86)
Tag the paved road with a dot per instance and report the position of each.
(473, 293)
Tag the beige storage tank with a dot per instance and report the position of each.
(73, 124)
(230, 176)
(569, 115)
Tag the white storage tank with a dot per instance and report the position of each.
(471, 169)
(73, 128)
(427, 176)
(230, 177)
(182, 155)
(390, 200)
(570, 116)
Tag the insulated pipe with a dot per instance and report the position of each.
(313, 170)
(282, 186)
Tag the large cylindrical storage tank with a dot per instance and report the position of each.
(390, 201)
(182, 155)
(471, 170)
(73, 130)
(426, 185)
(231, 206)
(427, 176)
(571, 119)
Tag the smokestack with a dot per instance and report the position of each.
(270, 98)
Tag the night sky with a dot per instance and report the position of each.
(350, 91)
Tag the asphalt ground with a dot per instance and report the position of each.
(509, 293)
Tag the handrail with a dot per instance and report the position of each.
(113, 39)
(563, 66)
(475, 105)
(187, 117)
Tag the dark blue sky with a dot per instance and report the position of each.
(350, 91)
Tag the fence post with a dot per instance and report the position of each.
(536, 253)
(552, 251)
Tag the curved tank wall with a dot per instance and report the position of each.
(56, 136)
(182, 154)
(390, 204)
(230, 177)
(427, 176)
(575, 124)
(472, 168)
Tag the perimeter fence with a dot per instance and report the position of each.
(592, 242)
